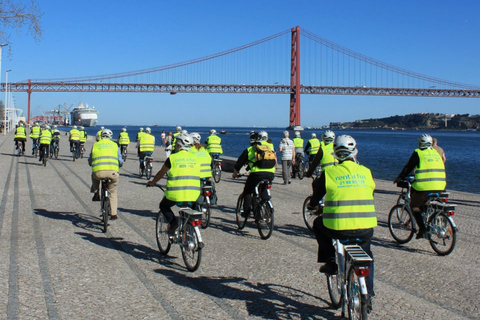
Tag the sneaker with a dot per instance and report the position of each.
(329, 268)
(96, 197)
(115, 217)
(172, 227)
(421, 234)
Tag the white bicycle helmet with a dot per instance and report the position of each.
(148, 130)
(124, 129)
(55, 127)
(184, 132)
(297, 134)
(107, 134)
(345, 147)
(178, 129)
(47, 127)
(314, 135)
(213, 131)
(81, 128)
(185, 141)
(328, 136)
(74, 127)
(196, 137)
(263, 135)
(254, 137)
(425, 141)
(102, 127)
(141, 129)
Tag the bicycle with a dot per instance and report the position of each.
(148, 167)
(217, 170)
(45, 156)
(441, 230)
(74, 152)
(187, 235)
(262, 209)
(56, 148)
(299, 166)
(347, 288)
(105, 203)
(204, 204)
(82, 150)
(309, 216)
(123, 150)
(35, 147)
(19, 148)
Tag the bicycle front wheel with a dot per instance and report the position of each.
(301, 170)
(105, 213)
(55, 153)
(309, 216)
(264, 220)
(357, 306)
(163, 240)
(191, 249)
(45, 160)
(205, 208)
(400, 223)
(217, 173)
(442, 234)
(241, 221)
(74, 156)
(334, 284)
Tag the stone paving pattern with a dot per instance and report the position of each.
(57, 264)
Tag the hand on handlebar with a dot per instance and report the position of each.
(151, 183)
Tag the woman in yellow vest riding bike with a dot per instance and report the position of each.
(430, 176)
(349, 211)
(146, 146)
(20, 135)
(183, 182)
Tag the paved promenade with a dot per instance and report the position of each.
(55, 262)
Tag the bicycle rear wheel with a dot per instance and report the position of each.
(206, 214)
(442, 234)
(301, 170)
(400, 223)
(191, 250)
(35, 152)
(148, 171)
(45, 157)
(163, 240)
(74, 155)
(241, 221)
(264, 220)
(309, 216)
(55, 153)
(357, 306)
(217, 173)
(105, 213)
(335, 290)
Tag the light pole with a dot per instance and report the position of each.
(5, 107)
(6, 101)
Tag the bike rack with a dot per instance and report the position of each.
(357, 255)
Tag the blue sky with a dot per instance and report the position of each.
(80, 38)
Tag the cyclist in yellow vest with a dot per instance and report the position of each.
(312, 147)
(123, 140)
(20, 135)
(214, 144)
(430, 176)
(45, 140)
(98, 136)
(105, 160)
(35, 135)
(178, 130)
(183, 182)
(204, 160)
(146, 146)
(256, 174)
(140, 134)
(324, 156)
(349, 211)
(75, 140)
(299, 152)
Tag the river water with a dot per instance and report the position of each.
(385, 152)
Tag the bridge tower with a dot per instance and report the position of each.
(295, 79)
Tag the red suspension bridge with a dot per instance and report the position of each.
(270, 65)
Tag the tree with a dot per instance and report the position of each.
(15, 15)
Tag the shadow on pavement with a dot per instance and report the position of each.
(264, 300)
(294, 230)
(140, 213)
(83, 221)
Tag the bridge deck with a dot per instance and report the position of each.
(58, 264)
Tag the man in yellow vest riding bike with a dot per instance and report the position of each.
(35, 136)
(45, 141)
(146, 146)
(312, 147)
(183, 182)
(324, 156)
(349, 211)
(430, 177)
(105, 160)
(214, 144)
(123, 140)
(75, 141)
(257, 174)
(20, 135)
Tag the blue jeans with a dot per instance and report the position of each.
(142, 155)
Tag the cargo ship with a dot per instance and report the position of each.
(83, 115)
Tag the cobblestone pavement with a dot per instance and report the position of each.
(57, 264)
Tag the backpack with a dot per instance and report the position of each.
(264, 157)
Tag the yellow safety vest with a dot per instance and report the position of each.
(74, 135)
(147, 143)
(214, 144)
(105, 156)
(327, 159)
(314, 146)
(99, 135)
(175, 138)
(298, 142)
(268, 144)
(430, 172)
(251, 162)
(204, 160)
(140, 134)
(83, 136)
(183, 182)
(349, 203)
(124, 138)
(35, 132)
(20, 133)
(46, 137)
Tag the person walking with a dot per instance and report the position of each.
(287, 148)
